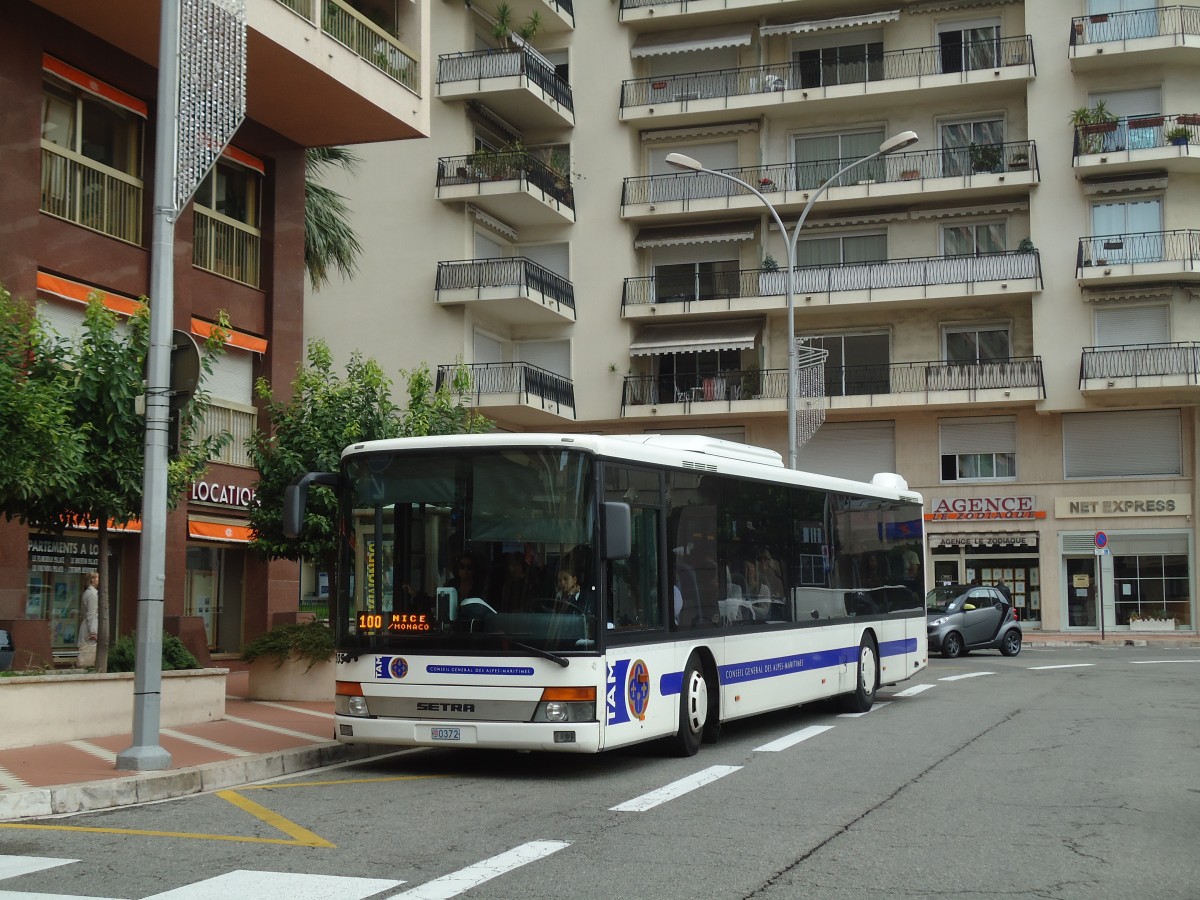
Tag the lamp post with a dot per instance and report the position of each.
(687, 163)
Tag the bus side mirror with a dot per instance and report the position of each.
(617, 534)
(295, 497)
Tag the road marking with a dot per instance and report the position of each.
(296, 709)
(300, 835)
(915, 689)
(278, 730)
(1066, 666)
(1161, 662)
(10, 782)
(968, 675)
(790, 740)
(21, 895)
(202, 742)
(675, 789)
(472, 876)
(94, 750)
(241, 884)
(15, 866)
(861, 714)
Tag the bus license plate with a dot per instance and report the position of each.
(446, 734)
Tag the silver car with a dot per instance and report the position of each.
(962, 618)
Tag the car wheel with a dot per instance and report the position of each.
(866, 681)
(693, 709)
(952, 645)
(1010, 644)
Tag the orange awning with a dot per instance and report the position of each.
(82, 79)
(235, 338)
(246, 159)
(76, 292)
(217, 531)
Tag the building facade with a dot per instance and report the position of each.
(1006, 309)
(78, 91)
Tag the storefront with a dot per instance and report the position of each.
(58, 568)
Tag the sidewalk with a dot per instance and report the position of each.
(255, 740)
(258, 740)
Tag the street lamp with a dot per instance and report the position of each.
(687, 163)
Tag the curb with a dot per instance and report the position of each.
(112, 793)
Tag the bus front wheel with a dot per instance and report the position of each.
(866, 679)
(693, 709)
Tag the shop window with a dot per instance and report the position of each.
(228, 239)
(978, 449)
(1154, 586)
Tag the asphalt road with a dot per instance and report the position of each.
(1061, 773)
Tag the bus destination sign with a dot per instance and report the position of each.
(376, 622)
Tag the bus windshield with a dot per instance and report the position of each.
(465, 552)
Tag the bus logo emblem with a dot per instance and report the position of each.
(638, 690)
(391, 667)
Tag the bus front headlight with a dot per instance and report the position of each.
(566, 705)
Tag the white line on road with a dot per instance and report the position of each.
(790, 740)
(295, 709)
(201, 742)
(472, 876)
(94, 750)
(10, 782)
(1067, 666)
(860, 715)
(278, 730)
(675, 789)
(242, 883)
(914, 690)
(968, 675)
(1161, 662)
(13, 866)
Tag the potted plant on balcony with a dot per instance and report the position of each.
(1093, 122)
(910, 174)
(986, 157)
(770, 282)
(1019, 160)
(1179, 135)
(1188, 119)
(766, 184)
(751, 382)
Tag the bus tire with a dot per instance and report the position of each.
(693, 709)
(866, 680)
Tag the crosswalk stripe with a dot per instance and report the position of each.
(14, 866)
(242, 883)
(472, 876)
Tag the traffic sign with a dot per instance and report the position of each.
(1101, 540)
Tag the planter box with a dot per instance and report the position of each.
(294, 680)
(51, 709)
(1187, 119)
(1151, 624)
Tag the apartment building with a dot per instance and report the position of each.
(78, 105)
(1006, 308)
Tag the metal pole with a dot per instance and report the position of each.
(145, 754)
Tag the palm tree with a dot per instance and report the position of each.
(329, 241)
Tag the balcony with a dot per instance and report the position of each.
(519, 85)
(1157, 372)
(556, 16)
(1151, 256)
(1135, 143)
(358, 80)
(1002, 382)
(516, 289)
(87, 193)
(703, 12)
(226, 247)
(930, 175)
(517, 392)
(1155, 35)
(735, 93)
(917, 279)
(514, 186)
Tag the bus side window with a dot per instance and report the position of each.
(633, 584)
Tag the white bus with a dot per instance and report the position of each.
(578, 593)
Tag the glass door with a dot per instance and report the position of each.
(1081, 592)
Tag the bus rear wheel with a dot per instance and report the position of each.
(693, 709)
(866, 679)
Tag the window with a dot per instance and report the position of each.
(227, 239)
(693, 376)
(1152, 578)
(634, 587)
(969, 45)
(819, 157)
(230, 387)
(696, 281)
(857, 363)
(974, 238)
(841, 250)
(965, 146)
(976, 344)
(1127, 231)
(845, 64)
(91, 161)
(1127, 442)
(978, 449)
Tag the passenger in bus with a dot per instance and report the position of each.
(568, 585)
(467, 579)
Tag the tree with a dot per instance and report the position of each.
(326, 413)
(100, 377)
(329, 240)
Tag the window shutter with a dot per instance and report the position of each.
(555, 257)
(232, 377)
(984, 434)
(554, 356)
(1128, 442)
(857, 450)
(723, 155)
(65, 319)
(1132, 325)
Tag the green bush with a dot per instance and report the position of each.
(123, 653)
(311, 641)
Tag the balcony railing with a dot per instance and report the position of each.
(366, 39)
(1182, 245)
(489, 165)
(226, 247)
(84, 192)
(894, 273)
(515, 272)
(1141, 360)
(883, 66)
(516, 378)
(238, 421)
(483, 64)
(1135, 23)
(1135, 133)
(840, 381)
(807, 176)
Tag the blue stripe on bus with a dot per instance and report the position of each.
(754, 670)
(507, 671)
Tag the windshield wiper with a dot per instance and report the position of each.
(538, 651)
